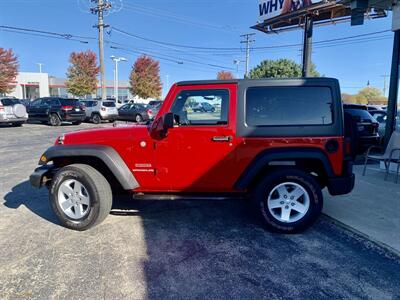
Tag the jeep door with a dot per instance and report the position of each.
(197, 153)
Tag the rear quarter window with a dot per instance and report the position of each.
(10, 102)
(288, 106)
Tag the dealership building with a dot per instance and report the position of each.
(34, 85)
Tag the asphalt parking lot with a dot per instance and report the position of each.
(170, 250)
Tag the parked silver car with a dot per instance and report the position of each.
(99, 110)
(12, 111)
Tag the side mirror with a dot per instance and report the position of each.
(168, 120)
(159, 128)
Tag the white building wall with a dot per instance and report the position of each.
(29, 79)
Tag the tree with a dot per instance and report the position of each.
(8, 70)
(280, 68)
(82, 74)
(370, 94)
(222, 75)
(145, 78)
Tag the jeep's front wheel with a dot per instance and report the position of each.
(288, 201)
(80, 196)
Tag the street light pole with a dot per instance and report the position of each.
(40, 67)
(116, 60)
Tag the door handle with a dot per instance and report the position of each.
(222, 139)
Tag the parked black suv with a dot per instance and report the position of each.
(367, 126)
(54, 111)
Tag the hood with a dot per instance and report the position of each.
(104, 135)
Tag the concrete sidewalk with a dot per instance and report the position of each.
(372, 209)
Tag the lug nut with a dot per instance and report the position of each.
(293, 204)
(282, 202)
(287, 206)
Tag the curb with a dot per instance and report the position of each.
(376, 243)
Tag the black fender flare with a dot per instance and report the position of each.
(282, 154)
(106, 154)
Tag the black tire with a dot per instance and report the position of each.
(17, 124)
(96, 119)
(98, 189)
(267, 185)
(77, 123)
(54, 120)
(138, 118)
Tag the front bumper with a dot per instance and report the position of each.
(41, 175)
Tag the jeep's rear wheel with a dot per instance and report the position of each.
(288, 201)
(80, 196)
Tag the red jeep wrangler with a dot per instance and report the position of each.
(278, 142)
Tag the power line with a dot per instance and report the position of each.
(235, 48)
(66, 36)
(169, 57)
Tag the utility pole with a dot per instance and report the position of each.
(99, 10)
(307, 45)
(247, 40)
(384, 84)
(40, 67)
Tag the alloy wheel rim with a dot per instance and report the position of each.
(73, 199)
(53, 119)
(288, 202)
(138, 118)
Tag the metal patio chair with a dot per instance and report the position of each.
(391, 155)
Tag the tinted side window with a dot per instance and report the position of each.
(54, 102)
(279, 106)
(201, 107)
(36, 102)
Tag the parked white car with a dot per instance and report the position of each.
(99, 110)
(12, 111)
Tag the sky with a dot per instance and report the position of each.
(203, 23)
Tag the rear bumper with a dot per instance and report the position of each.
(344, 184)
(74, 117)
(341, 185)
(19, 120)
(109, 116)
(41, 175)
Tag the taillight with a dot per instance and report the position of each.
(67, 107)
(150, 112)
(103, 109)
(1, 108)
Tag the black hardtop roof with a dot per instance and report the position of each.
(250, 81)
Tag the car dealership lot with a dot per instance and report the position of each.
(165, 249)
